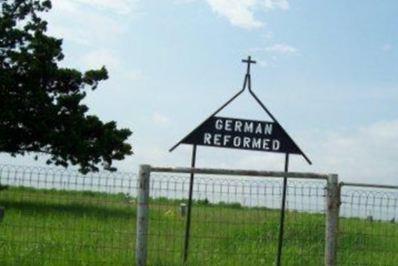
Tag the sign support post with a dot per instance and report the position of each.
(282, 217)
(243, 134)
(188, 221)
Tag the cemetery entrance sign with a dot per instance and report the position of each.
(242, 134)
(235, 133)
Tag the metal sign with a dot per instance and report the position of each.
(235, 133)
(242, 134)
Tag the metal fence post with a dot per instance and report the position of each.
(142, 214)
(332, 219)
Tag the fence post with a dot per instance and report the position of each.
(332, 219)
(142, 215)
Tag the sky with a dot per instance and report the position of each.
(326, 69)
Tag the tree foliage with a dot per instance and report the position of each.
(41, 107)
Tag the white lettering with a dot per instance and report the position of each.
(237, 141)
(268, 129)
(246, 142)
(226, 140)
(219, 124)
(256, 143)
(259, 129)
(276, 145)
(248, 127)
(265, 144)
(228, 125)
(216, 139)
(207, 138)
(238, 126)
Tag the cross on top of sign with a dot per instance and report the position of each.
(243, 134)
(224, 132)
(249, 61)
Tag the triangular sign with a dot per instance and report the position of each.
(243, 134)
(235, 133)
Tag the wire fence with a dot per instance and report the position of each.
(235, 221)
(60, 217)
(368, 226)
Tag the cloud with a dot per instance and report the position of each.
(122, 7)
(91, 22)
(272, 53)
(134, 75)
(281, 48)
(179, 2)
(275, 4)
(386, 47)
(240, 13)
(105, 57)
(263, 63)
(367, 154)
(99, 25)
(101, 57)
(160, 119)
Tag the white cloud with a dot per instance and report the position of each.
(78, 36)
(263, 63)
(99, 58)
(134, 75)
(84, 22)
(178, 2)
(268, 35)
(241, 12)
(238, 12)
(104, 57)
(99, 25)
(367, 154)
(274, 4)
(281, 48)
(386, 47)
(160, 119)
(272, 53)
(122, 7)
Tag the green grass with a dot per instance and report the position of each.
(47, 227)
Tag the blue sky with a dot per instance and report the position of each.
(326, 69)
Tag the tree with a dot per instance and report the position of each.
(41, 108)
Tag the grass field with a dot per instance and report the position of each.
(84, 228)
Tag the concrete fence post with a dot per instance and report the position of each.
(332, 219)
(142, 215)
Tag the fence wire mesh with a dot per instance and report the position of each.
(368, 226)
(235, 221)
(60, 217)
